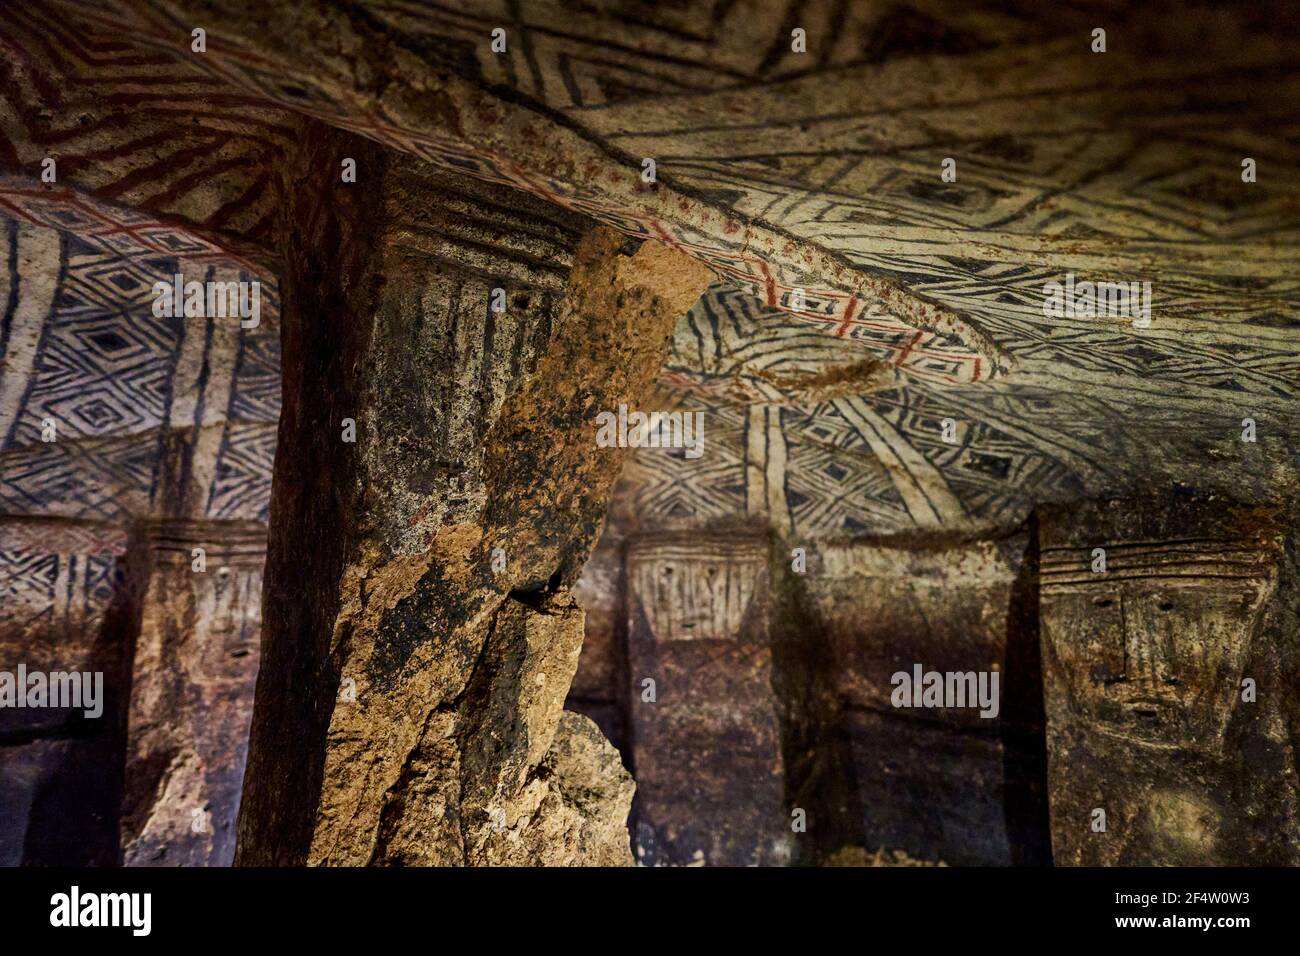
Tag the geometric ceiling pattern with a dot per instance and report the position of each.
(93, 383)
(158, 172)
(483, 136)
(875, 357)
(144, 133)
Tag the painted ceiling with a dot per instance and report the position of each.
(862, 301)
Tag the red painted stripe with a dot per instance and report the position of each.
(843, 328)
(245, 200)
(154, 171)
(907, 350)
(769, 283)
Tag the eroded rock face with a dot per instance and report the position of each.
(417, 579)
(571, 811)
(1168, 679)
(525, 782)
(589, 774)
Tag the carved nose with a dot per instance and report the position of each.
(1148, 658)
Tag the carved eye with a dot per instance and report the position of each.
(1103, 601)
(1166, 605)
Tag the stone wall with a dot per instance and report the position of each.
(957, 784)
(154, 778)
(881, 389)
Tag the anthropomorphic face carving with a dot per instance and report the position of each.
(1152, 649)
(697, 589)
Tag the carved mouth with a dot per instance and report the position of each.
(1147, 708)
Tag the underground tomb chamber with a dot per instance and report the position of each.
(629, 434)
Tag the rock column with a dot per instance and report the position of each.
(447, 348)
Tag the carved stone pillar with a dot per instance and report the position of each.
(957, 782)
(1169, 681)
(195, 664)
(437, 490)
(706, 738)
(62, 611)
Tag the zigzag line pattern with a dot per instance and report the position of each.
(36, 590)
(138, 129)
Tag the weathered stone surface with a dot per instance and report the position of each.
(611, 718)
(474, 441)
(359, 78)
(1149, 718)
(707, 748)
(194, 669)
(600, 689)
(938, 782)
(875, 362)
(510, 711)
(207, 176)
(526, 782)
(572, 811)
